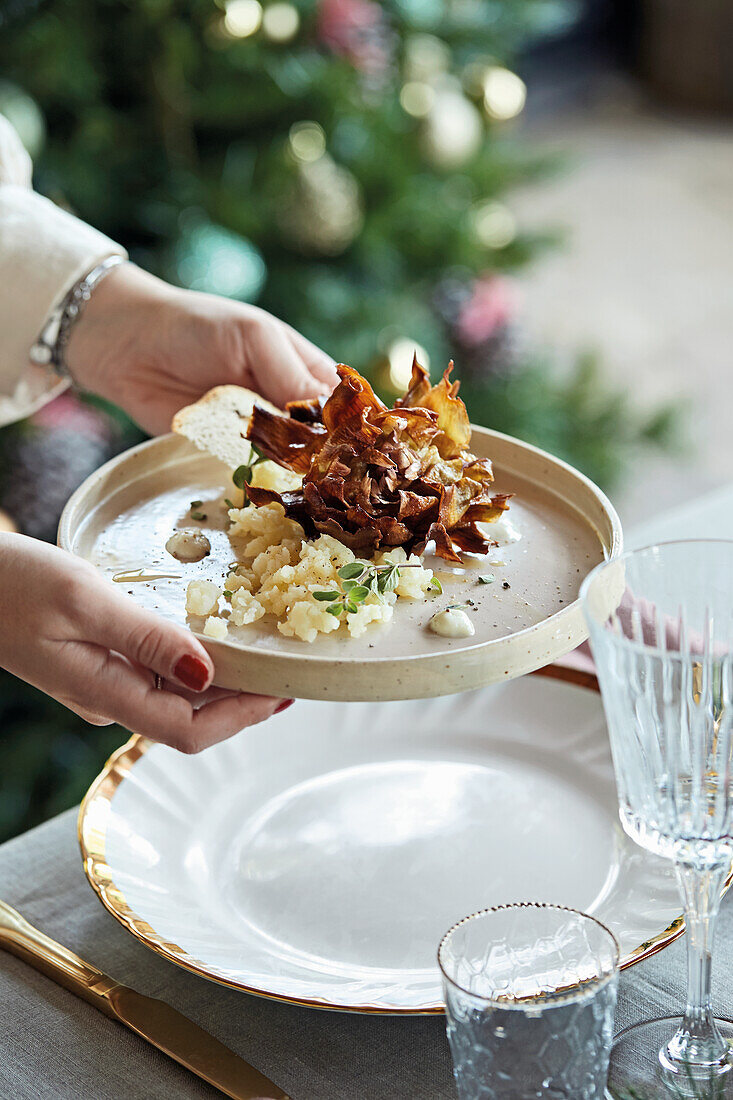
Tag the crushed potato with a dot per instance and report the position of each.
(269, 475)
(280, 570)
(202, 598)
(214, 627)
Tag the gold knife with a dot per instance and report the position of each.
(154, 1020)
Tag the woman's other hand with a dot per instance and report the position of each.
(152, 348)
(71, 634)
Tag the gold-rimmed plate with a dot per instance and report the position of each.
(319, 858)
(122, 516)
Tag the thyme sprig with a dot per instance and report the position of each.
(357, 580)
(242, 476)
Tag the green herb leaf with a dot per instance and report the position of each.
(198, 515)
(335, 609)
(352, 570)
(261, 456)
(228, 503)
(324, 596)
(242, 476)
(486, 578)
(435, 586)
(196, 503)
(456, 607)
(227, 594)
(351, 608)
(358, 593)
(388, 581)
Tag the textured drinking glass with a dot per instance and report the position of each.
(530, 992)
(661, 628)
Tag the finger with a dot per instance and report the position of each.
(90, 717)
(198, 698)
(105, 683)
(321, 366)
(113, 621)
(282, 373)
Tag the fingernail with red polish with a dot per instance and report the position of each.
(284, 705)
(192, 672)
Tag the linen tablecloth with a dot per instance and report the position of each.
(54, 1046)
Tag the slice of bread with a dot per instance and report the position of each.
(217, 423)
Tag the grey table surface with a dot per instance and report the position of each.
(55, 1047)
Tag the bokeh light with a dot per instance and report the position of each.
(417, 98)
(399, 356)
(242, 17)
(217, 261)
(307, 141)
(425, 57)
(24, 114)
(280, 22)
(494, 224)
(505, 93)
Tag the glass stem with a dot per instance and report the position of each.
(697, 1044)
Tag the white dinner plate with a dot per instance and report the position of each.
(318, 858)
(123, 514)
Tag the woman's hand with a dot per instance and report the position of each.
(69, 633)
(152, 349)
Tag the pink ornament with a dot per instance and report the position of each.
(355, 30)
(67, 411)
(492, 305)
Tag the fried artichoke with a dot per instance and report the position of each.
(375, 477)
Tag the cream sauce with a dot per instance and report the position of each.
(453, 622)
(501, 531)
(188, 544)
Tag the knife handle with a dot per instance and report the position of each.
(55, 961)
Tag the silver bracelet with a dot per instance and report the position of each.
(50, 348)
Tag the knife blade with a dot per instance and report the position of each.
(154, 1020)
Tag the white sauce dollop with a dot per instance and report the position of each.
(452, 623)
(189, 544)
(502, 531)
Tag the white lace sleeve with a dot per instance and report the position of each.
(43, 251)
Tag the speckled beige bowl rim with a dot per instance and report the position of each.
(363, 677)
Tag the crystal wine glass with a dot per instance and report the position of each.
(661, 631)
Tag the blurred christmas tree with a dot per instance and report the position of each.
(344, 164)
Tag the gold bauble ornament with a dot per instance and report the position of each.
(452, 130)
(321, 212)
